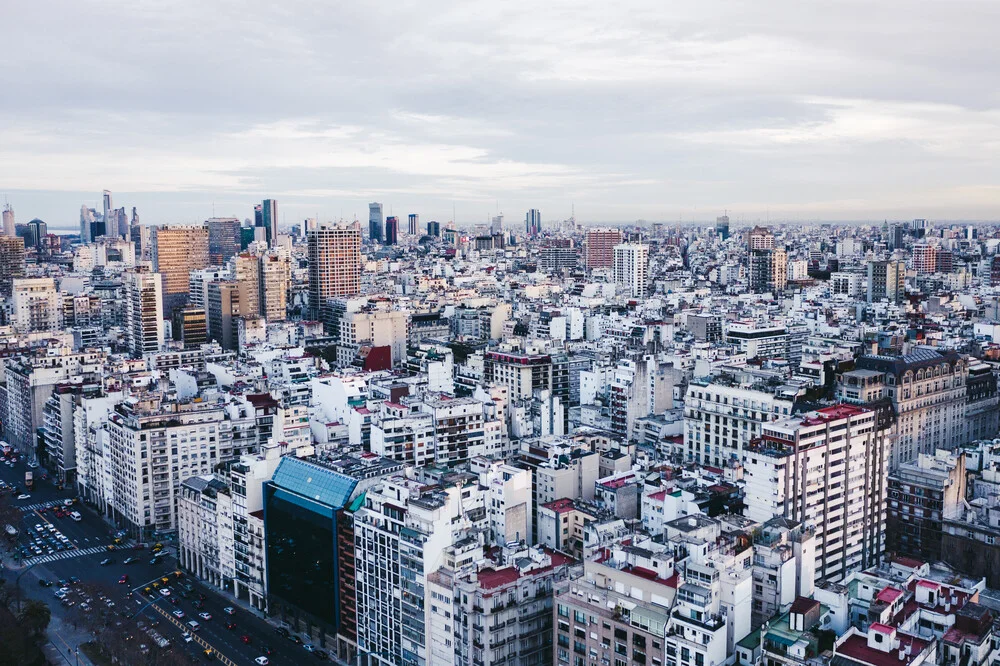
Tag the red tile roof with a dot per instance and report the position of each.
(856, 648)
(888, 595)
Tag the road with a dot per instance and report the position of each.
(88, 546)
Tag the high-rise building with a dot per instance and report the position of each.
(375, 222)
(9, 227)
(144, 312)
(391, 230)
(11, 262)
(722, 227)
(109, 217)
(631, 269)
(176, 252)
(768, 269)
(886, 280)
(925, 258)
(413, 224)
(334, 264)
(35, 305)
(37, 231)
(223, 238)
(269, 220)
(601, 247)
(246, 271)
(533, 222)
(224, 308)
(760, 238)
(496, 225)
(275, 275)
(87, 217)
(434, 229)
(123, 228)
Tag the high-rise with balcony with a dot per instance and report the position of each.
(334, 264)
(9, 228)
(631, 269)
(178, 250)
(11, 263)
(144, 312)
(601, 247)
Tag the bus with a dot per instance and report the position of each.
(28, 483)
(10, 530)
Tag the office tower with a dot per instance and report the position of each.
(434, 229)
(533, 222)
(375, 222)
(813, 466)
(722, 227)
(601, 247)
(886, 280)
(11, 263)
(9, 227)
(413, 224)
(275, 275)
(334, 264)
(190, 326)
(631, 268)
(144, 312)
(269, 220)
(391, 230)
(247, 236)
(496, 225)
(110, 221)
(246, 272)
(37, 231)
(176, 252)
(258, 215)
(35, 305)
(224, 308)
(86, 223)
(123, 229)
(223, 238)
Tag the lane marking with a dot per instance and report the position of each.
(198, 639)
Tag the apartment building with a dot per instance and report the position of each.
(601, 244)
(922, 494)
(155, 443)
(826, 470)
(35, 305)
(144, 312)
(204, 529)
(176, 251)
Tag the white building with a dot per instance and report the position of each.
(631, 269)
(144, 312)
(35, 304)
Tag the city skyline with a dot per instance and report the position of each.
(776, 111)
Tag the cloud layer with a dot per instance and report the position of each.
(630, 110)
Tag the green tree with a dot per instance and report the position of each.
(34, 617)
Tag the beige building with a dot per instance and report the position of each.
(176, 252)
(36, 305)
(334, 264)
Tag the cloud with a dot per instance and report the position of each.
(637, 109)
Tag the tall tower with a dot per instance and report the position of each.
(632, 268)
(334, 264)
(375, 222)
(110, 219)
(269, 220)
(496, 224)
(722, 227)
(144, 312)
(601, 245)
(176, 251)
(11, 263)
(9, 228)
(86, 224)
(533, 222)
(391, 230)
(223, 238)
(413, 224)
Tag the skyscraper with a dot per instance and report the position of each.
(334, 264)
(722, 226)
(176, 252)
(37, 231)
(11, 262)
(391, 230)
(223, 238)
(123, 230)
(9, 228)
(269, 220)
(533, 222)
(110, 225)
(601, 247)
(224, 308)
(413, 224)
(433, 229)
(246, 272)
(375, 222)
(144, 312)
(496, 224)
(275, 275)
(632, 268)
(87, 219)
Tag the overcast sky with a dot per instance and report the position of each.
(659, 110)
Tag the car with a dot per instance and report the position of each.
(193, 625)
(74, 580)
(44, 582)
(64, 590)
(165, 592)
(68, 502)
(209, 654)
(281, 631)
(23, 496)
(199, 604)
(187, 637)
(205, 616)
(321, 654)
(33, 465)
(123, 580)
(230, 624)
(246, 639)
(63, 582)
(130, 560)
(309, 647)
(262, 660)
(229, 610)
(156, 560)
(266, 649)
(179, 614)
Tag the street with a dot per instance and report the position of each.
(86, 546)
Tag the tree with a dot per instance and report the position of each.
(34, 617)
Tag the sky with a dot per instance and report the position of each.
(669, 110)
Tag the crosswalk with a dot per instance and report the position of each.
(39, 505)
(63, 555)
